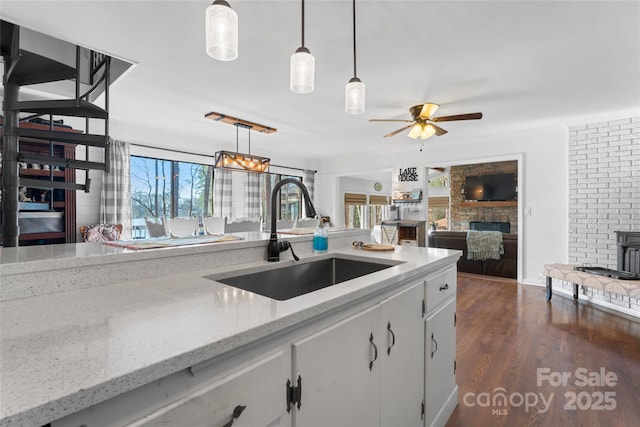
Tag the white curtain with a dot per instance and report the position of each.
(309, 179)
(222, 193)
(253, 201)
(115, 207)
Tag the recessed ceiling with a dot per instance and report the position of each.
(522, 63)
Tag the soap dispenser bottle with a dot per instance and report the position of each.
(320, 238)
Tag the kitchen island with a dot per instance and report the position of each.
(87, 329)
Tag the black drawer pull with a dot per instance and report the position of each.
(375, 352)
(444, 287)
(237, 411)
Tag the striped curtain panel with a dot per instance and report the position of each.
(253, 200)
(222, 193)
(115, 206)
(309, 179)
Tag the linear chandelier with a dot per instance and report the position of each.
(237, 161)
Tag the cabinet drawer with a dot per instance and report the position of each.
(439, 288)
(255, 387)
(407, 242)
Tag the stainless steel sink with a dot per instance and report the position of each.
(301, 278)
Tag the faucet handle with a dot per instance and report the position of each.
(284, 245)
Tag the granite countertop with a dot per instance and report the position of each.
(65, 351)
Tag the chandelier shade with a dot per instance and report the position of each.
(241, 162)
(221, 31)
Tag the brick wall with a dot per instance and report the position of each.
(460, 216)
(604, 188)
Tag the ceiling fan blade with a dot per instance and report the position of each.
(469, 116)
(389, 120)
(439, 130)
(395, 132)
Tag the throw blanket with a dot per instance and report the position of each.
(483, 245)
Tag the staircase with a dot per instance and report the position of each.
(38, 61)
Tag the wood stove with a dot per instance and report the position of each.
(628, 251)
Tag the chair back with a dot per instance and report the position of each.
(284, 224)
(306, 223)
(182, 227)
(100, 232)
(214, 225)
(242, 225)
(155, 229)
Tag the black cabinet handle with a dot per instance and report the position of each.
(444, 287)
(393, 338)
(436, 343)
(375, 352)
(237, 411)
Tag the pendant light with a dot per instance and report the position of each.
(354, 91)
(303, 66)
(236, 161)
(222, 31)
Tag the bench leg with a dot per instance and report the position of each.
(549, 289)
(575, 291)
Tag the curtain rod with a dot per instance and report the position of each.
(204, 155)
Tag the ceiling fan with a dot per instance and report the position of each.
(423, 124)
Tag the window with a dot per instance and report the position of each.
(355, 210)
(378, 209)
(290, 197)
(439, 212)
(169, 188)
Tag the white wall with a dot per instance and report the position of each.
(543, 189)
(348, 184)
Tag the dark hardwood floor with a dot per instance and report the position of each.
(506, 332)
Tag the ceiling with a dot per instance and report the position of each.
(524, 64)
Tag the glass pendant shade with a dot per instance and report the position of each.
(427, 131)
(354, 96)
(415, 131)
(302, 75)
(222, 31)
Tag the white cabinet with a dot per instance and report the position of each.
(365, 370)
(440, 390)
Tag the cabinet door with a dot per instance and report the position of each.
(402, 358)
(389, 234)
(440, 353)
(258, 387)
(340, 374)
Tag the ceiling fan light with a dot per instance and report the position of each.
(221, 31)
(354, 96)
(428, 110)
(416, 131)
(302, 74)
(427, 131)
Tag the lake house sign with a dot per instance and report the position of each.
(408, 174)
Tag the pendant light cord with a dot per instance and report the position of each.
(354, 39)
(302, 23)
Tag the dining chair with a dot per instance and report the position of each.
(284, 224)
(214, 225)
(155, 229)
(305, 223)
(242, 225)
(182, 227)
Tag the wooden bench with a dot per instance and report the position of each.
(565, 272)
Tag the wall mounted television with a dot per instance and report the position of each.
(501, 187)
